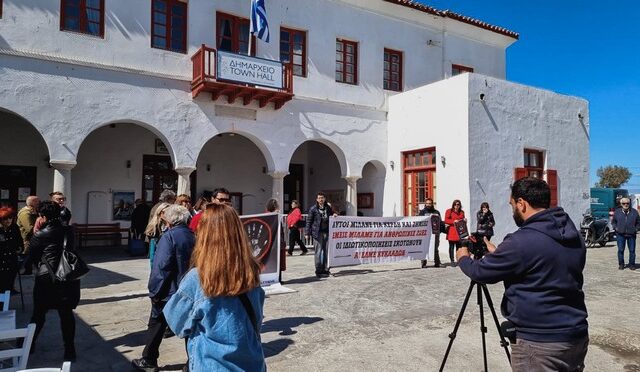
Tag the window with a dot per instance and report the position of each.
(85, 16)
(346, 61)
(419, 178)
(533, 163)
(169, 25)
(460, 69)
(293, 50)
(392, 79)
(233, 34)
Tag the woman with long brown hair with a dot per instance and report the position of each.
(219, 303)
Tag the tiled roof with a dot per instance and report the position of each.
(456, 16)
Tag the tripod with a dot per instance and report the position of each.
(503, 342)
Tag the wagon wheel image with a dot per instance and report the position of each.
(259, 233)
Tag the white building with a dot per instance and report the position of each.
(100, 98)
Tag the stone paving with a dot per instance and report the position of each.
(378, 317)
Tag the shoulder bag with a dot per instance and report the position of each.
(71, 266)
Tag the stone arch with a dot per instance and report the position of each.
(266, 153)
(337, 151)
(372, 181)
(153, 129)
(23, 118)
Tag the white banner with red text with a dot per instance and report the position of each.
(368, 240)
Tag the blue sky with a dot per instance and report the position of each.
(584, 48)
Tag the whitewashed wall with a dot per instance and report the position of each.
(373, 181)
(433, 115)
(514, 117)
(34, 26)
(22, 145)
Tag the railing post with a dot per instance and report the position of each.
(203, 72)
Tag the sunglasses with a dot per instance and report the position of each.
(224, 200)
(624, 203)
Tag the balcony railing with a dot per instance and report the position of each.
(205, 79)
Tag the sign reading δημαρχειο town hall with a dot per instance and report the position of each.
(245, 69)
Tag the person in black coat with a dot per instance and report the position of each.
(429, 209)
(45, 251)
(486, 222)
(10, 244)
(140, 218)
(317, 225)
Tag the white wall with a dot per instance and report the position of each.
(372, 181)
(102, 167)
(433, 115)
(34, 26)
(22, 145)
(514, 117)
(235, 164)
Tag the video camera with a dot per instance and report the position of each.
(474, 242)
(476, 246)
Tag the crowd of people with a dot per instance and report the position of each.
(204, 277)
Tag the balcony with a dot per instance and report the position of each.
(240, 77)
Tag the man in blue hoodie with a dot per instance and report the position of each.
(541, 266)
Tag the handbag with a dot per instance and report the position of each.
(71, 266)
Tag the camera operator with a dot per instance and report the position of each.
(541, 266)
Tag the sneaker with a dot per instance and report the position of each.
(424, 264)
(632, 267)
(303, 253)
(145, 365)
(620, 267)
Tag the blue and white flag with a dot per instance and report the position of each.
(259, 23)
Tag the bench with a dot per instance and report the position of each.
(100, 231)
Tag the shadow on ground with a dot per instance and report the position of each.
(284, 327)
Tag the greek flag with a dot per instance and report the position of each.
(259, 23)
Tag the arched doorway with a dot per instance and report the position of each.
(116, 164)
(314, 167)
(24, 164)
(235, 162)
(371, 189)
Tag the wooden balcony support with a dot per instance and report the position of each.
(204, 80)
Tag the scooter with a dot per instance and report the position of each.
(595, 231)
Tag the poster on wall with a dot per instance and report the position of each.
(23, 193)
(337, 200)
(123, 203)
(264, 235)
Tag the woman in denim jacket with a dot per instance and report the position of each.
(219, 303)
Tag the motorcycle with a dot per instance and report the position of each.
(595, 231)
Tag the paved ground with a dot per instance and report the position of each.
(383, 317)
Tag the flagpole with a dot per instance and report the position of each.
(250, 32)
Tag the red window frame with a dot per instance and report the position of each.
(342, 63)
(83, 20)
(287, 50)
(534, 170)
(169, 17)
(236, 24)
(460, 69)
(425, 161)
(390, 76)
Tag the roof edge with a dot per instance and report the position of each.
(456, 16)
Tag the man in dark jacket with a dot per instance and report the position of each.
(429, 209)
(541, 266)
(170, 264)
(626, 224)
(318, 227)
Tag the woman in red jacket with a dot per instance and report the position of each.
(295, 222)
(453, 215)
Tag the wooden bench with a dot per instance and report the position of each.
(100, 231)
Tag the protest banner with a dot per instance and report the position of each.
(367, 240)
(264, 235)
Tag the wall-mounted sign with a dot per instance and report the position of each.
(250, 70)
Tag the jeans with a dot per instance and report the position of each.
(529, 356)
(320, 255)
(630, 240)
